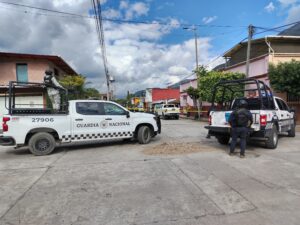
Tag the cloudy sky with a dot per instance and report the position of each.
(140, 55)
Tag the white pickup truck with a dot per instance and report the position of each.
(83, 121)
(167, 111)
(271, 115)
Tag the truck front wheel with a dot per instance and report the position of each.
(292, 131)
(41, 144)
(223, 140)
(144, 135)
(272, 141)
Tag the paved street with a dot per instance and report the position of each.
(118, 184)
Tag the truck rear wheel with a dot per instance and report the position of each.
(272, 142)
(292, 131)
(223, 140)
(144, 135)
(41, 144)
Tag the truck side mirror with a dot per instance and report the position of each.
(127, 113)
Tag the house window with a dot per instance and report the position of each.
(22, 72)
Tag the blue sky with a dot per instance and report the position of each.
(234, 13)
(139, 55)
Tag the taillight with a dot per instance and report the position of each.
(4, 125)
(209, 120)
(263, 120)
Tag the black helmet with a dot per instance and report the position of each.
(48, 72)
(243, 103)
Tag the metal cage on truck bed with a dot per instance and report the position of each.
(17, 89)
(236, 90)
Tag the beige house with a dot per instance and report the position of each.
(28, 68)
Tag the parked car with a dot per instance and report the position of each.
(167, 111)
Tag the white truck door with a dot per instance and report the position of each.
(282, 115)
(118, 124)
(88, 122)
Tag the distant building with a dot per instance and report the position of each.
(161, 95)
(28, 68)
(185, 99)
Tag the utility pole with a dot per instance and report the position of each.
(250, 35)
(196, 46)
(194, 28)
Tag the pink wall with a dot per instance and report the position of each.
(184, 97)
(257, 67)
(36, 70)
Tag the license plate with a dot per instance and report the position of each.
(173, 109)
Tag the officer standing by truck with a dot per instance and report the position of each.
(240, 121)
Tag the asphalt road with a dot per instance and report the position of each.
(116, 183)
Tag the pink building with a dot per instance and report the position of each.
(185, 99)
(28, 68)
(264, 51)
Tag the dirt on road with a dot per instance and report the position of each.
(175, 148)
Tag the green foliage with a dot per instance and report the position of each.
(207, 80)
(285, 77)
(76, 87)
(72, 82)
(91, 93)
(193, 92)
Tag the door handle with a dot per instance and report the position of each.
(281, 114)
(108, 119)
(78, 119)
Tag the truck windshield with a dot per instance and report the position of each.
(169, 106)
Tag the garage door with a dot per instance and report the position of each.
(24, 101)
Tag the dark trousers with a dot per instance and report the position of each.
(239, 132)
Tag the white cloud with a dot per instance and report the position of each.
(287, 2)
(111, 14)
(293, 14)
(209, 19)
(136, 9)
(270, 7)
(136, 58)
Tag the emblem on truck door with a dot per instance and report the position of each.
(104, 124)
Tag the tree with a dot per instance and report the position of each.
(208, 80)
(194, 94)
(76, 85)
(285, 77)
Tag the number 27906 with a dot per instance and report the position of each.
(42, 120)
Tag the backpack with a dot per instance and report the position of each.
(241, 118)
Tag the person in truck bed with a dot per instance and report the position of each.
(53, 89)
(240, 120)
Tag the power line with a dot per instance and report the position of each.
(275, 28)
(117, 20)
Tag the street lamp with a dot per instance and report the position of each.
(194, 28)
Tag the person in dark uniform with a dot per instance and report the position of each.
(240, 121)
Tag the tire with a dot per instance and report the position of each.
(41, 144)
(223, 140)
(272, 142)
(144, 135)
(177, 117)
(292, 131)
